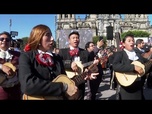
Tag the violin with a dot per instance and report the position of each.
(103, 57)
(104, 62)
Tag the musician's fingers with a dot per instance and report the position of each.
(74, 64)
(75, 87)
(93, 77)
(95, 61)
(142, 71)
(7, 73)
(86, 78)
(75, 69)
(85, 70)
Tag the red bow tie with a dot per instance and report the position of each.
(45, 59)
(74, 52)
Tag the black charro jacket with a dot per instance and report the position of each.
(67, 59)
(121, 62)
(36, 79)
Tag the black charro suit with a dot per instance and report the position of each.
(64, 53)
(121, 63)
(138, 51)
(141, 53)
(36, 79)
(94, 84)
(10, 89)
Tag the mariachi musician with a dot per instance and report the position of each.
(73, 54)
(9, 83)
(126, 62)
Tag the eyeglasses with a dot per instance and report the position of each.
(6, 39)
(91, 45)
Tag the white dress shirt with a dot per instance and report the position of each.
(131, 55)
(76, 58)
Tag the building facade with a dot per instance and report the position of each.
(96, 25)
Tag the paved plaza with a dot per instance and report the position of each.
(105, 93)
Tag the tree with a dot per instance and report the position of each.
(24, 42)
(96, 38)
(136, 33)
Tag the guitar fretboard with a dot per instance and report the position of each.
(80, 78)
(87, 64)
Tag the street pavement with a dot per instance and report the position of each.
(105, 93)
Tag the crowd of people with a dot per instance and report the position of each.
(43, 72)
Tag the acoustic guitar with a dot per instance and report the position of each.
(127, 78)
(3, 76)
(81, 67)
(75, 81)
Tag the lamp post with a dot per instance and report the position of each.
(10, 24)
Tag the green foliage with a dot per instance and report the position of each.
(96, 38)
(24, 42)
(136, 33)
(25, 39)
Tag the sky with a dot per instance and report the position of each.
(23, 23)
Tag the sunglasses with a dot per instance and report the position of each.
(6, 39)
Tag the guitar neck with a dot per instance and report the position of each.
(80, 78)
(87, 64)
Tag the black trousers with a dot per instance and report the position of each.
(81, 88)
(132, 92)
(149, 80)
(94, 84)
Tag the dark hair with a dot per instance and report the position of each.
(74, 32)
(126, 36)
(112, 47)
(7, 34)
(100, 38)
(87, 44)
(139, 41)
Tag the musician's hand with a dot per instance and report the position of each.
(90, 76)
(96, 61)
(109, 54)
(74, 66)
(139, 70)
(8, 70)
